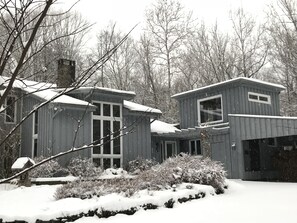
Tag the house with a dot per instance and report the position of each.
(75, 119)
(241, 120)
(237, 122)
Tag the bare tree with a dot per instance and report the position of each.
(249, 42)
(118, 72)
(169, 26)
(283, 36)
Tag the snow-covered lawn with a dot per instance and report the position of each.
(243, 202)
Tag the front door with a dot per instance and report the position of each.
(170, 149)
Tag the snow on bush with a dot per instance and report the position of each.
(185, 168)
(172, 172)
(49, 169)
(140, 164)
(81, 167)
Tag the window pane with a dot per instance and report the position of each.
(36, 122)
(211, 110)
(116, 141)
(106, 109)
(192, 148)
(106, 163)
(169, 150)
(97, 112)
(10, 109)
(116, 111)
(198, 147)
(116, 163)
(96, 135)
(252, 96)
(106, 141)
(97, 162)
(261, 98)
(35, 148)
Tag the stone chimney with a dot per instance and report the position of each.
(66, 73)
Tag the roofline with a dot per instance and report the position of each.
(238, 79)
(107, 90)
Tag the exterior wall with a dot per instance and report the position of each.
(235, 101)
(221, 150)
(253, 127)
(27, 128)
(68, 133)
(137, 143)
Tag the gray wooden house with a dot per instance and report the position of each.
(78, 118)
(242, 120)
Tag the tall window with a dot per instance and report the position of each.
(210, 110)
(107, 124)
(35, 134)
(10, 109)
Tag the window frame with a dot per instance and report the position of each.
(206, 99)
(258, 95)
(15, 109)
(110, 118)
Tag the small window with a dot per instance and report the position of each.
(210, 110)
(260, 98)
(116, 111)
(10, 111)
(195, 147)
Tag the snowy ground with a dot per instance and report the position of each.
(243, 202)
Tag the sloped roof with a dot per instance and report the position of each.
(43, 91)
(132, 106)
(235, 80)
(163, 127)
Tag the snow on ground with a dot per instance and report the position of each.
(244, 202)
(37, 202)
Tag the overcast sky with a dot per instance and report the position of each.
(127, 13)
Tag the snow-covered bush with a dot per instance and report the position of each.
(185, 168)
(81, 167)
(173, 171)
(88, 188)
(49, 169)
(140, 164)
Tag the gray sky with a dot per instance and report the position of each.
(127, 13)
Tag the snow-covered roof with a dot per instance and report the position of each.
(250, 80)
(44, 91)
(163, 127)
(21, 162)
(108, 90)
(132, 106)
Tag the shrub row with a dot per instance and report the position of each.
(173, 171)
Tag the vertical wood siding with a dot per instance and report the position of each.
(138, 143)
(235, 101)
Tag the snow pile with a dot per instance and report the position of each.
(162, 127)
